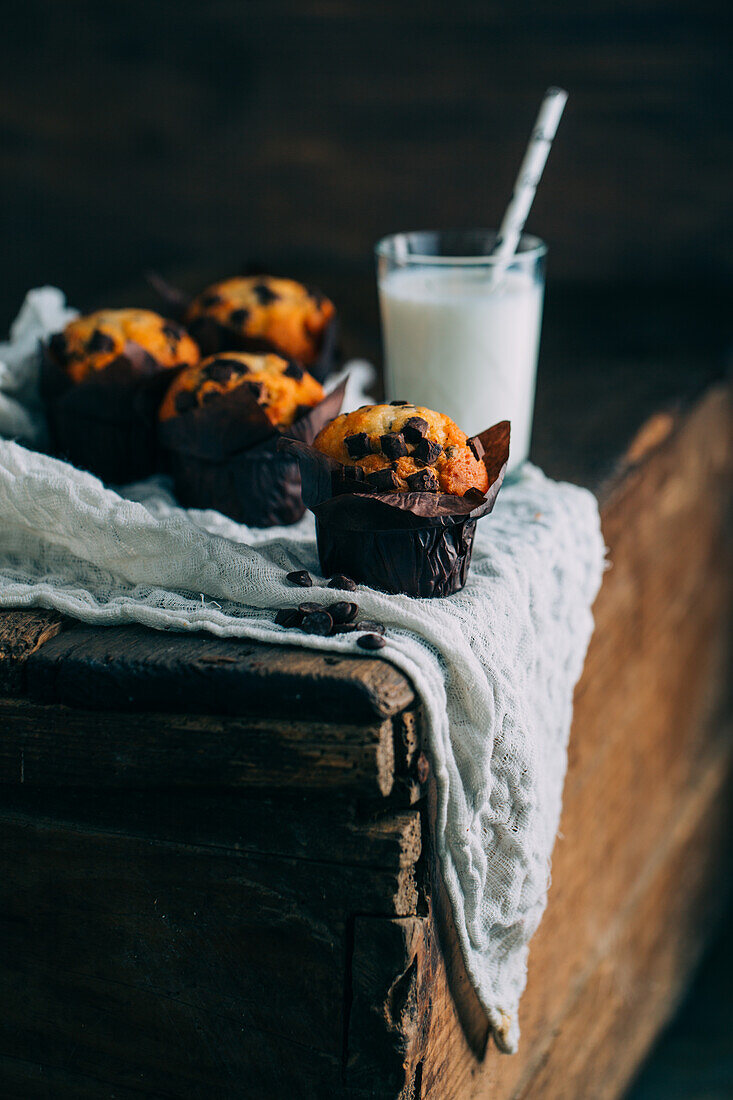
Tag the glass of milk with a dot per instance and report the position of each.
(461, 333)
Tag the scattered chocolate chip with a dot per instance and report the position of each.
(301, 577)
(239, 317)
(173, 331)
(371, 625)
(318, 622)
(255, 388)
(57, 347)
(382, 480)
(263, 294)
(357, 445)
(427, 451)
(343, 612)
(424, 481)
(294, 370)
(343, 628)
(290, 617)
(414, 429)
(371, 641)
(210, 300)
(100, 341)
(308, 608)
(340, 580)
(185, 401)
(399, 402)
(354, 473)
(393, 445)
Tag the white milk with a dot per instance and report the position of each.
(456, 346)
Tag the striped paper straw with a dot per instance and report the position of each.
(527, 179)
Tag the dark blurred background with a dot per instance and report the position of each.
(193, 138)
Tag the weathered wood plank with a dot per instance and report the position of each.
(317, 827)
(124, 668)
(21, 634)
(55, 745)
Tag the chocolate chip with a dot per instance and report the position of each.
(221, 370)
(290, 617)
(301, 577)
(57, 347)
(210, 300)
(173, 331)
(318, 622)
(371, 641)
(393, 445)
(255, 388)
(382, 480)
(414, 429)
(424, 481)
(263, 294)
(239, 317)
(340, 580)
(100, 341)
(343, 612)
(477, 448)
(399, 402)
(353, 473)
(294, 370)
(343, 628)
(371, 625)
(307, 608)
(185, 401)
(357, 445)
(427, 451)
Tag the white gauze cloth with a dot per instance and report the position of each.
(494, 665)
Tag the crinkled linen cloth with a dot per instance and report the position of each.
(494, 665)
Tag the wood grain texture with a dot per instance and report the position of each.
(133, 668)
(21, 634)
(55, 745)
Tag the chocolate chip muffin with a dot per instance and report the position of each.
(90, 343)
(404, 448)
(266, 310)
(283, 390)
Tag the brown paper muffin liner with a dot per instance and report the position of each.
(107, 423)
(419, 544)
(225, 456)
(213, 337)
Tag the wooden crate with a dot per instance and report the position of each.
(217, 873)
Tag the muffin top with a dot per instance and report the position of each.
(284, 312)
(282, 388)
(89, 343)
(403, 448)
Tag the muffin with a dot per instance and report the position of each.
(396, 491)
(102, 381)
(404, 448)
(219, 425)
(281, 388)
(264, 313)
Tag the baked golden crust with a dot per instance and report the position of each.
(282, 388)
(89, 343)
(282, 311)
(404, 448)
